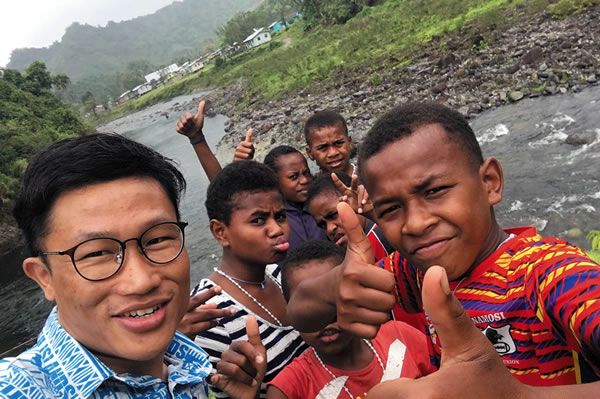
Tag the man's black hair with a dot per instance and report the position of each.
(273, 155)
(306, 252)
(323, 119)
(73, 163)
(401, 121)
(324, 183)
(235, 178)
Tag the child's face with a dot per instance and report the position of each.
(330, 340)
(330, 148)
(258, 230)
(432, 204)
(323, 208)
(294, 177)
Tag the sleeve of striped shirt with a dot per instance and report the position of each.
(567, 290)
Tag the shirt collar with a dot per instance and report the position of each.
(188, 363)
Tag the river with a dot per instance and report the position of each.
(549, 184)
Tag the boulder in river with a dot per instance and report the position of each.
(581, 138)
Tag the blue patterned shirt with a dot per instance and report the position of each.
(60, 367)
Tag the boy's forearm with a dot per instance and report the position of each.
(207, 159)
(312, 306)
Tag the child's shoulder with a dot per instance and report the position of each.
(529, 247)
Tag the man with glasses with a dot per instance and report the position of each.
(101, 220)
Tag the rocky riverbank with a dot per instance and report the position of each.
(472, 70)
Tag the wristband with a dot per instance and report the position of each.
(197, 140)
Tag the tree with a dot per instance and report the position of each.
(60, 81)
(37, 78)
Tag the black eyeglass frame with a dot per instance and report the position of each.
(123, 245)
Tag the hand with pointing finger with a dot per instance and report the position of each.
(365, 294)
(243, 365)
(202, 316)
(245, 149)
(191, 125)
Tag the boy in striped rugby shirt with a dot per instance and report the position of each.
(536, 299)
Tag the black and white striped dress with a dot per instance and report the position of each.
(283, 344)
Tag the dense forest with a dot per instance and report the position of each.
(31, 117)
(105, 60)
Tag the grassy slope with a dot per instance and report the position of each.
(375, 41)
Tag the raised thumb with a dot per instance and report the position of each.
(248, 137)
(200, 111)
(459, 337)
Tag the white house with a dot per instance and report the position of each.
(143, 88)
(161, 73)
(258, 37)
(196, 65)
(152, 76)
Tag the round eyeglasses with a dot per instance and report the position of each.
(100, 258)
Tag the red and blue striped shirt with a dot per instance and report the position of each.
(537, 299)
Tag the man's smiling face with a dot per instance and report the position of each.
(130, 318)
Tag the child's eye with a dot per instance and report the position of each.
(293, 177)
(436, 190)
(258, 220)
(281, 217)
(389, 210)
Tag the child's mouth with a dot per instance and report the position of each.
(329, 335)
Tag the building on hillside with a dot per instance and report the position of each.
(142, 89)
(161, 73)
(128, 95)
(99, 109)
(277, 27)
(152, 76)
(258, 37)
(196, 65)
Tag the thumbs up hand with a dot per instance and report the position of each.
(191, 125)
(243, 365)
(245, 149)
(471, 368)
(365, 293)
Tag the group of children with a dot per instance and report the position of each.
(298, 256)
(432, 195)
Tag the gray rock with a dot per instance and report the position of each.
(581, 138)
(440, 87)
(515, 95)
(533, 56)
(512, 69)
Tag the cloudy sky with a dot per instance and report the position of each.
(38, 23)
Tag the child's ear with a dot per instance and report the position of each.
(492, 177)
(219, 231)
(37, 270)
(309, 153)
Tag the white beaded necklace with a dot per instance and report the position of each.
(333, 375)
(249, 295)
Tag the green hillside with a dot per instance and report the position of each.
(379, 39)
(31, 118)
(159, 38)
